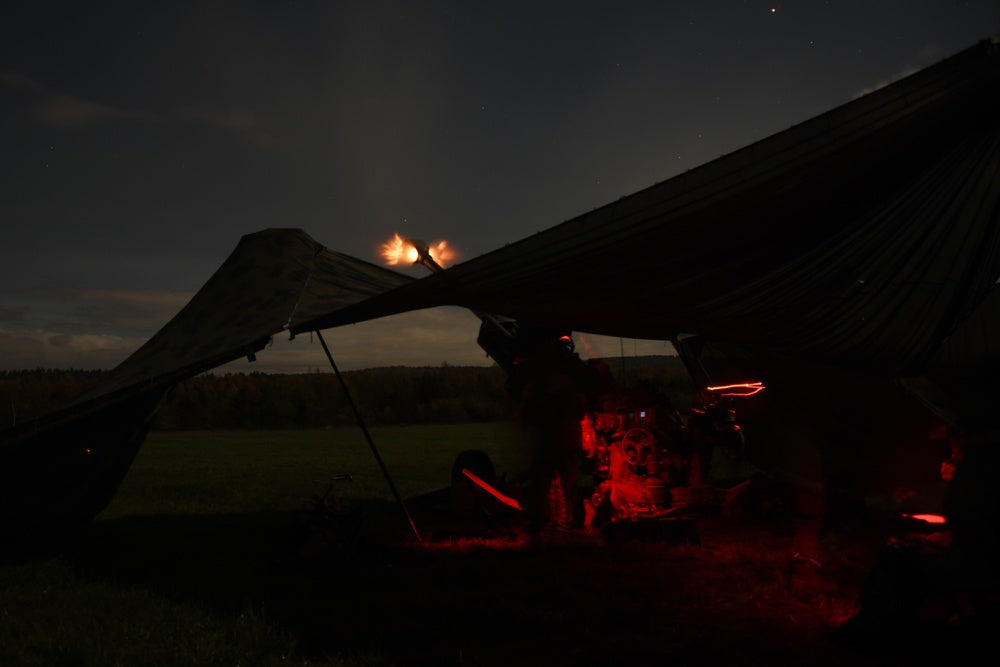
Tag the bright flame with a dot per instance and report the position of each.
(441, 253)
(399, 250)
(741, 389)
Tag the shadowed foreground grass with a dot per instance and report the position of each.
(214, 553)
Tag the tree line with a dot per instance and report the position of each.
(392, 395)
(389, 395)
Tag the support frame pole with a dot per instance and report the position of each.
(368, 437)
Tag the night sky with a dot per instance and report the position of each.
(141, 140)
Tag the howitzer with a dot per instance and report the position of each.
(497, 335)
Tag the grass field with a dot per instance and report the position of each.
(222, 472)
(213, 553)
(197, 510)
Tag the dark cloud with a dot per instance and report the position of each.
(60, 340)
(9, 315)
(26, 348)
(19, 81)
(136, 312)
(73, 112)
(59, 109)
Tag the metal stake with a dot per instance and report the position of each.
(364, 429)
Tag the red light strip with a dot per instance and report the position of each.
(927, 518)
(506, 500)
(746, 389)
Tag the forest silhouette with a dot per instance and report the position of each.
(387, 395)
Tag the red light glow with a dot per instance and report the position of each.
(506, 500)
(516, 541)
(739, 389)
(936, 519)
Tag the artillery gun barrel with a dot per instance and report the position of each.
(497, 335)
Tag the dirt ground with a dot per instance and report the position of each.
(708, 589)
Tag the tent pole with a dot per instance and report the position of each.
(364, 429)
